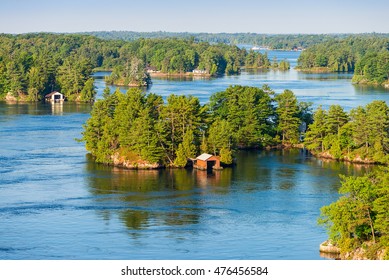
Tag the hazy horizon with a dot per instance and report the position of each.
(260, 17)
(189, 32)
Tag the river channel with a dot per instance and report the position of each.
(56, 203)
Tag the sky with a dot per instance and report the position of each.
(212, 16)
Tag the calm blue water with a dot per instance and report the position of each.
(55, 203)
(320, 89)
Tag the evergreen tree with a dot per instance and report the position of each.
(336, 118)
(284, 65)
(181, 113)
(377, 121)
(249, 112)
(88, 92)
(360, 217)
(220, 136)
(106, 92)
(188, 144)
(181, 159)
(99, 135)
(359, 128)
(226, 156)
(316, 132)
(288, 121)
(204, 144)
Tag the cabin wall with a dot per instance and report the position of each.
(217, 161)
(202, 164)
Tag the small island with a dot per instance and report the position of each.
(139, 131)
(366, 57)
(136, 130)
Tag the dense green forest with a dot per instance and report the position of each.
(142, 131)
(359, 136)
(33, 65)
(272, 41)
(367, 57)
(373, 68)
(358, 223)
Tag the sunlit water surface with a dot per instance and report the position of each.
(56, 203)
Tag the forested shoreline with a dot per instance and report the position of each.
(33, 65)
(271, 41)
(360, 136)
(139, 131)
(240, 117)
(358, 222)
(145, 132)
(367, 58)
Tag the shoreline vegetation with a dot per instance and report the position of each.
(358, 137)
(357, 223)
(140, 131)
(185, 74)
(33, 65)
(314, 70)
(270, 41)
(366, 57)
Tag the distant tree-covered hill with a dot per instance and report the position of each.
(272, 41)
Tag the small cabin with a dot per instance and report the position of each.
(199, 71)
(55, 97)
(151, 70)
(206, 162)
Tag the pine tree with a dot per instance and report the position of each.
(226, 155)
(188, 144)
(288, 121)
(181, 159)
(220, 136)
(377, 121)
(204, 144)
(359, 128)
(88, 92)
(336, 118)
(316, 131)
(351, 218)
(106, 92)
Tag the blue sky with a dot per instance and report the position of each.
(331, 16)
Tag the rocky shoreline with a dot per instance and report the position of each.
(367, 251)
(356, 160)
(177, 75)
(11, 98)
(314, 70)
(121, 161)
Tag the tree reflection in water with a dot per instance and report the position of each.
(148, 199)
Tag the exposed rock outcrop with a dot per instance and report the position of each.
(122, 161)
